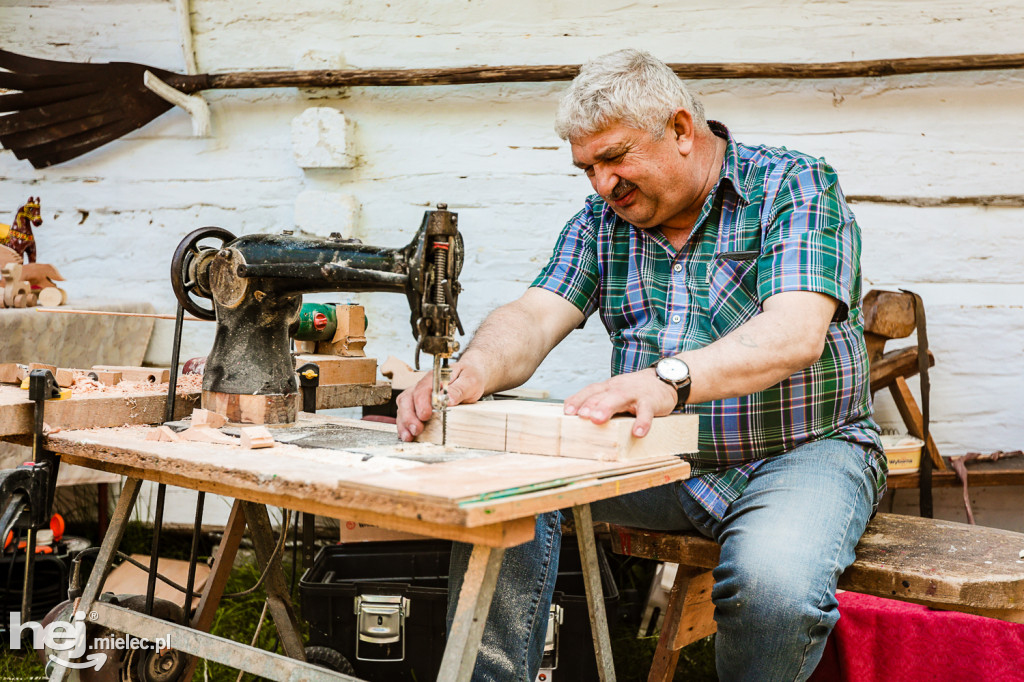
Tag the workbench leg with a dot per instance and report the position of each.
(278, 594)
(471, 614)
(108, 550)
(595, 593)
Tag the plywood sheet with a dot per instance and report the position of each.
(344, 483)
(544, 429)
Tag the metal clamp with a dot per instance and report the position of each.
(549, 661)
(380, 620)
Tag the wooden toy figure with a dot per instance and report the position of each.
(19, 235)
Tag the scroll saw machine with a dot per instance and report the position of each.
(252, 286)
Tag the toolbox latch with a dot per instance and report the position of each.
(550, 660)
(380, 620)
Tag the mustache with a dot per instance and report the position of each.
(623, 188)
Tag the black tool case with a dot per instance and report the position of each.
(395, 595)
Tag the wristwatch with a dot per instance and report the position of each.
(676, 374)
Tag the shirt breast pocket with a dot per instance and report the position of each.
(732, 290)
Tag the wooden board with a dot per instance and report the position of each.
(544, 429)
(336, 369)
(90, 410)
(939, 563)
(475, 492)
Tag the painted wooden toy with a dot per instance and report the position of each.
(19, 235)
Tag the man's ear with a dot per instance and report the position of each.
(681, 125)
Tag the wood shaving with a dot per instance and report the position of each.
(84, 385)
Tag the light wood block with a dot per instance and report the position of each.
(40, 365)
(469, 426)
(201, 417)
(614, 440)
(256, 437)
(154, 375)
(341, 370)
(65, 377)
(164, 433)
(12, 373)
(204, 434)
(106, 377)
(402, 376)
(543, 429)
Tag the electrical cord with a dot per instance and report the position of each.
(278, 548)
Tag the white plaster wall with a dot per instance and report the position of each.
(114, 216)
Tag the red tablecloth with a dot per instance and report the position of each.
(881, 640)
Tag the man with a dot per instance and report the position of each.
(728, 278)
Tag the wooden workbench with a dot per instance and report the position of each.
(359, 470)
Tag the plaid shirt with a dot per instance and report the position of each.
(776, 221)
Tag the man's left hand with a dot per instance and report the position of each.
(640, 393)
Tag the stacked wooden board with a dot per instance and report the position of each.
(544, 429)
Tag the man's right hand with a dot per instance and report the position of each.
(414, 405)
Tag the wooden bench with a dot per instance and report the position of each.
(941, 564)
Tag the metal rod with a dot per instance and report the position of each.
(158, 522)
(172, 383)
(263, 664)
(158, 316)
(27, 586)
(193, 555)
(308, 539)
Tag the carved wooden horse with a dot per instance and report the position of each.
(19, 235)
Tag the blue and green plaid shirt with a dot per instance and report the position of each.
(776, 221)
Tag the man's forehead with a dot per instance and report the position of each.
(604, 143)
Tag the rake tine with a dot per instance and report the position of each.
(19, 62)
(36, 98)
(61, 131)
(77, 139)
(28, 81)
(48, 155)
(52, 114)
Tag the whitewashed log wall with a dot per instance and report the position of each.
(113, 218)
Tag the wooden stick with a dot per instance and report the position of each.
(526, 73)
(159, 316)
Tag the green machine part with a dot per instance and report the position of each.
(317, 322)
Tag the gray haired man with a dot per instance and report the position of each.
(728, 278)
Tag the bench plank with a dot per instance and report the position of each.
(938, 563)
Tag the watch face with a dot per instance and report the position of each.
(672, 369)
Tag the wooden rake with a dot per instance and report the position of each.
(61, 110)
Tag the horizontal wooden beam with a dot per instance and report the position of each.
(986, 200)
(870, 68)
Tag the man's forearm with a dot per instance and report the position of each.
(505, 348)
(514, 339)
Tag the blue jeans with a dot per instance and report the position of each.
(785, 542)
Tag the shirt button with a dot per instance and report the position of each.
(675, 319)
(678, 267)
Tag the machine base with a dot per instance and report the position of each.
(253, 409)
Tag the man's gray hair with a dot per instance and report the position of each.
(629, 86)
